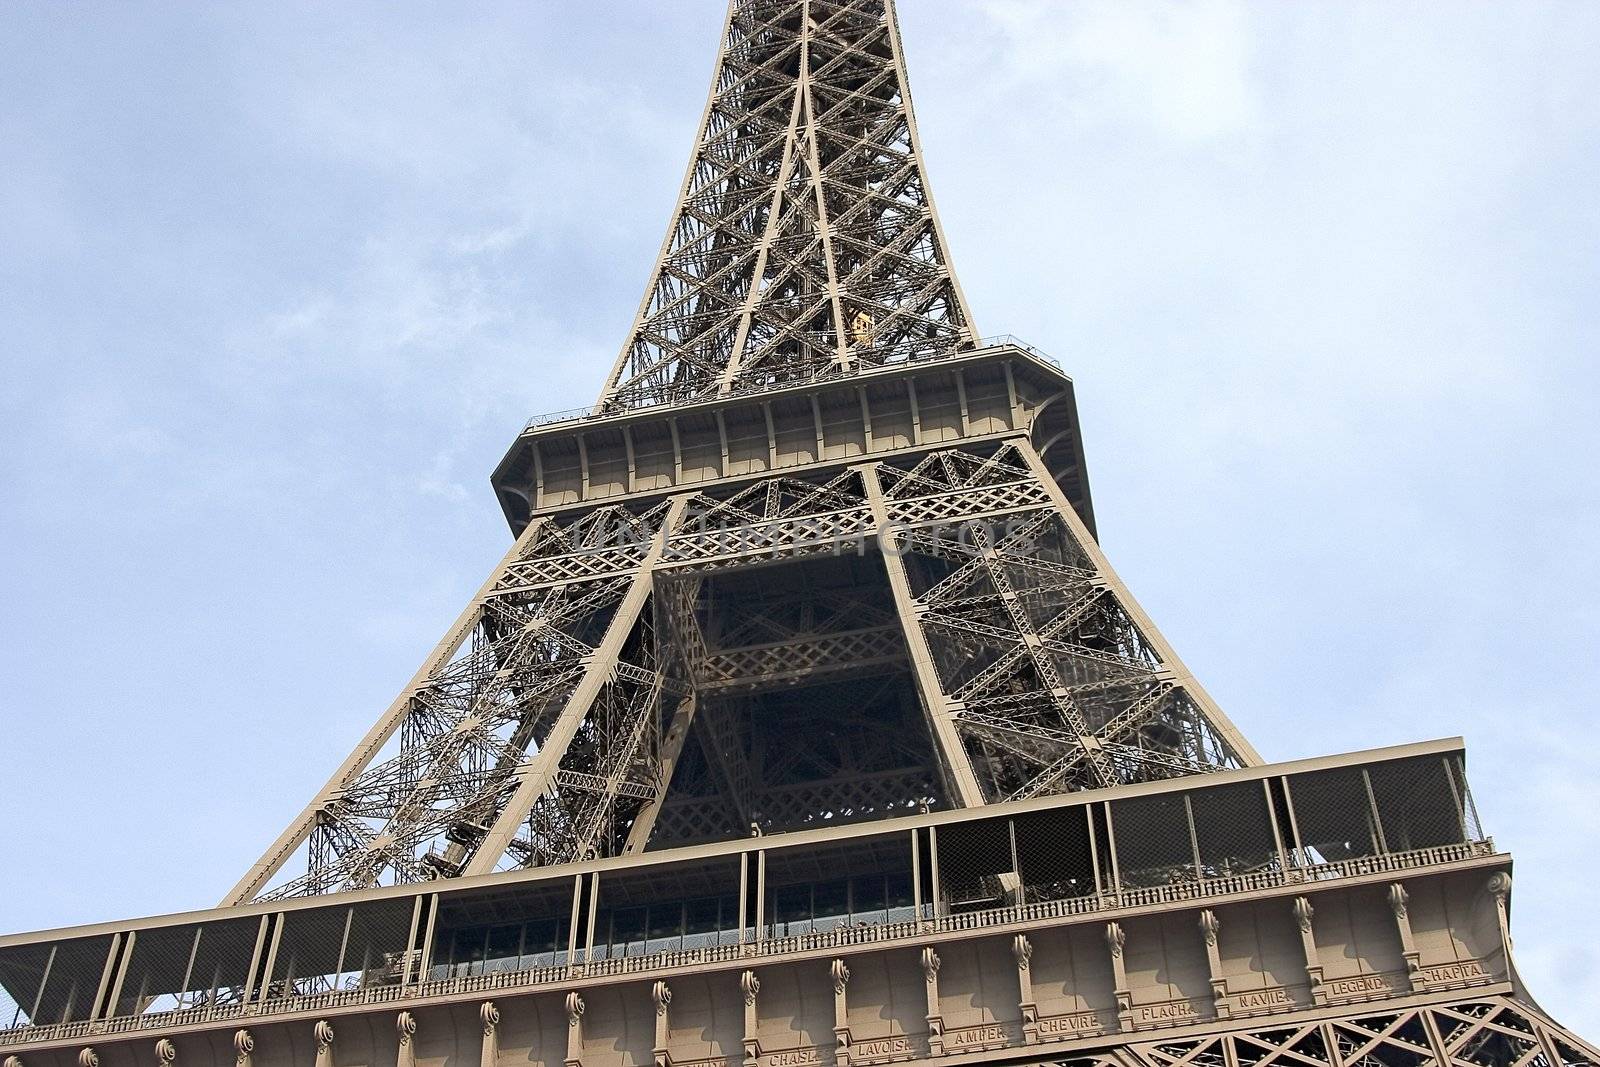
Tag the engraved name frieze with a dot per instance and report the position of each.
(1261, 999)
(1068, 1025)
(715, 1061)
(1361, 985)
(1157, 1013)
(1464, 971)
(976, 1035)
(879, 1048)
(795, 1057)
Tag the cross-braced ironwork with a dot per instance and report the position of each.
(816, 558)
(1478, 1032)
(1044, 671)
(819, 559)
(602, 696)
(805, 239)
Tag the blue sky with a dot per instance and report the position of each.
(278, 286)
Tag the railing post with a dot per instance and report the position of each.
(1115, 940)
(661, 1054)
(425, 957)
(839, 973)
(750, 987)
(761, 896)
(1209, 929)
(323, 1033)
(489, 1016)
(572, 926)
(1398, 899)
(930, 976)
(575, 1008)
(107, 973)
(1303, 912)
(411, 941)
(405, 1025)
(1022, 953)
(244, 1047)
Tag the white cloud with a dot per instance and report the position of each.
(1182, 68)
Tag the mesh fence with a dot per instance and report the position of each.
(1233, 828)
(1153, 841)
(312, 949)
(695, 906)
(377, 950)
(977, 867)
(1456, 768)
(54, 983)
(221, 966)
(22, 973)
(1053, 850)
(1334, 814)
(865, 882)
(158, 970)
(1418, 804)
(504, 929)
(187, 966)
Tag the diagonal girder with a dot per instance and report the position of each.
(805, 239)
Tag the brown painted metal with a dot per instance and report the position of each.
(807, 617)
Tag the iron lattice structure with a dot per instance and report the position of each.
(805, 241)
(1477, 1032)
(820, 555)
(617, 685)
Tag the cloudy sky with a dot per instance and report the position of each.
(279, 285)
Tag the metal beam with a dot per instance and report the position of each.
(538, 771)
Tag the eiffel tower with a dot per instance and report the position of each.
(805, 722)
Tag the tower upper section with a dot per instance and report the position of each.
(805, 243)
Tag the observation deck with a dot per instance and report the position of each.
(998, 387)
(1293, 890)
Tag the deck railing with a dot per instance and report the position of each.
(846, 936)
(825, 374)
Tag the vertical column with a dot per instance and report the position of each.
(537, 773)
(323, 1033)
(244, 1046)
(1500, 889)
(292, 837)
(1303, 911)
(116, 971)
(405, 1025)
(1441, 1051)
(489, 1015)
(574, 1029)
(1115, 940)
(939, 709)
(412, 954)
(1209, 926)
(841, 1014)
(1398, 899)
(661, 995)
(1022, 952)
(1169, 656)
(930, 977)
(750, 986)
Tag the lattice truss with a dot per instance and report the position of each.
(805, 241)
(774, 519)
(1481, 1032)
(483, 722)
(1052, 685)
(804, 709)
(616, 654)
